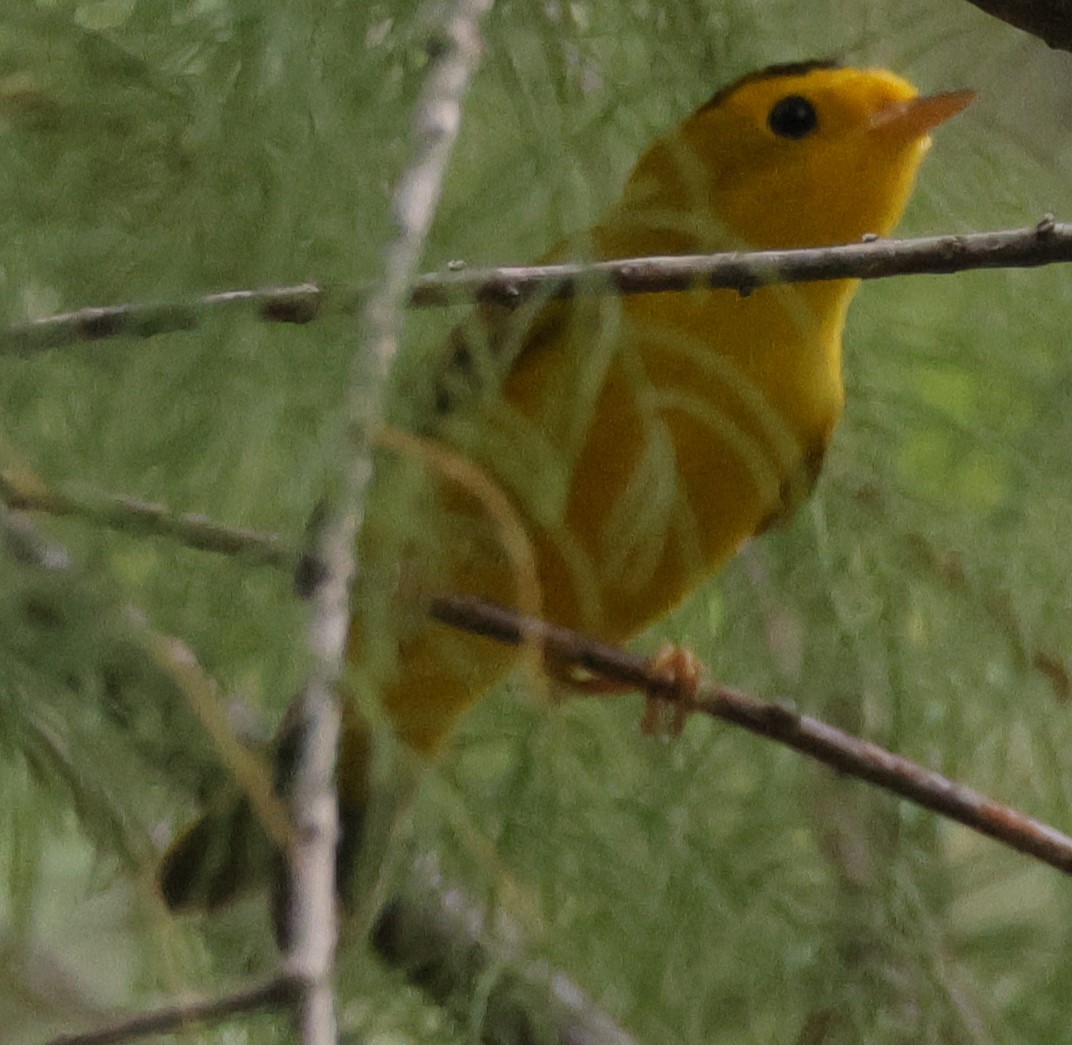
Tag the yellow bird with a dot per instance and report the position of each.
(595, 459)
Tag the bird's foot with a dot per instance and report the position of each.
(669, 705)
(668, 702)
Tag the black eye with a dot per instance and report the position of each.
(793, 117)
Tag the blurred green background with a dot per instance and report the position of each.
(717, 890)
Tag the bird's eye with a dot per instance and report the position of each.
(793, 117)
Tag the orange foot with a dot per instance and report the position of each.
(668, 707)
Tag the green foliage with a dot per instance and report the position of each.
(717, 890)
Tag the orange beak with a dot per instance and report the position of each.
(917, 116)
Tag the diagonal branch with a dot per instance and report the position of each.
(277, 993)
(23, 491)
(1046, 243)
(457, 947)
(423, 931)
(779, 722)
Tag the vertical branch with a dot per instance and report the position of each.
(453, 52)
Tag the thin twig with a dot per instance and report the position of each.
(23, 491)
(277, 993)
(778, 721)
(1046, 243)
(454, 53)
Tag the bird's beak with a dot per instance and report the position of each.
(916, 117)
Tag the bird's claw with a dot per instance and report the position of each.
(668, 706)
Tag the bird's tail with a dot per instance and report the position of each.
(229, 851)
(226, 853)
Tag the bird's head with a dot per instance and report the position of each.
(796, 155)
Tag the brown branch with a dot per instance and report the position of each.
(841, 750)
(1046, 243)
(1049, 20)
(781, 722)
(277, 993)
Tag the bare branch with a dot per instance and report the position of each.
(834, 747)
(100, 322)
(300, 303)
(1042, 244)
(1049, 20)
(310, 918)
(454, 947)
(1046, 243)
(778, 721)
(23, 491)
(277, 993)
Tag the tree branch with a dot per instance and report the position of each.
(21, 490)
(448, 944)
(277, 993)
(1049, 20)
(453, 947)
(423, 942)
(781, 722)
(1042, 244)
(1046, 243)
(310, 916)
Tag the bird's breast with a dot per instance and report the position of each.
(711, 426)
